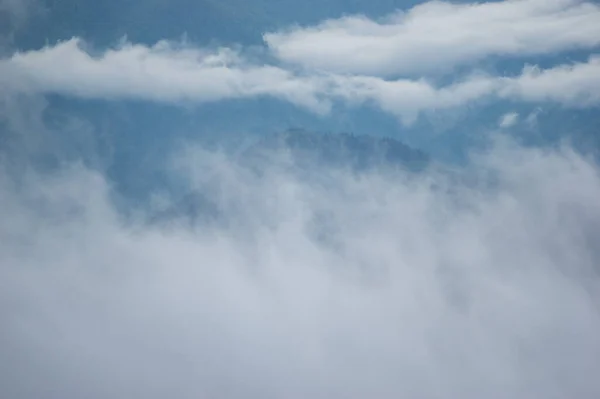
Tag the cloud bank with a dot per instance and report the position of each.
(377, 285)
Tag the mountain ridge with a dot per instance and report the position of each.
(307, 156)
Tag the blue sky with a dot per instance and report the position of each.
(474, 278)
(420, 73)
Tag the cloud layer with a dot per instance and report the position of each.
(374, 286)
(466, 283)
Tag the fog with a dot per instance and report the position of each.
(480, 283)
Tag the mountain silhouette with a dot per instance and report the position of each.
(304, 155)
(305, 149)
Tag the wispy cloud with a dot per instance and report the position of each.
(509, 119)
(437, 35)
(576, 85)
(15, 15)
(168, 72)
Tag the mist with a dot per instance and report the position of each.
(480, 282)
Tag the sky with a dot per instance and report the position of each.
(476, 277)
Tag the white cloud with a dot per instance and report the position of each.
(369, 287)
(163, 73)
(407, 98)
(509, 119)
(532, 118)
(181, 74)
(576, 85)
(438, 35)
